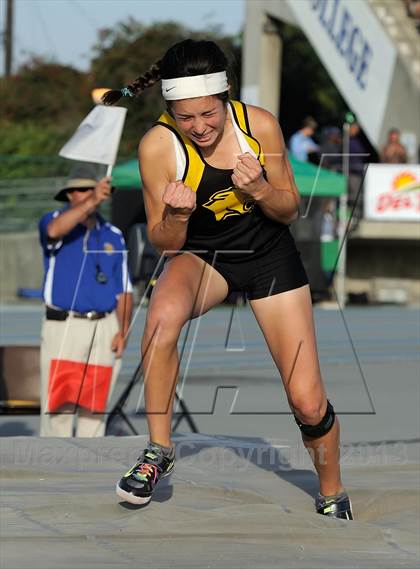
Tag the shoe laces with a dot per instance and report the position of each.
(145, 471)
(146, 468)
(149, 461)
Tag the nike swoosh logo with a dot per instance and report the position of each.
(170, 89)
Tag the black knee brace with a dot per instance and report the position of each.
(316, 431)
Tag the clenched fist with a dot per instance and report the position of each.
(180, 200)
(248, 175)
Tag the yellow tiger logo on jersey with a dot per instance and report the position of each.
(226, 203)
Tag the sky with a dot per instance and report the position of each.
(66, 29)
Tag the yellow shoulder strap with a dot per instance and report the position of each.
(241, 118)
(239, 114)
(195, 166)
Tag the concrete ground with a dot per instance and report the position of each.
(243, 490)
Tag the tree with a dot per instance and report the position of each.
(41, 104)
(44, 91)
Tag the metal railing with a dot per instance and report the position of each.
(24, 201)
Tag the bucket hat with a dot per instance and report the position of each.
(81, 177)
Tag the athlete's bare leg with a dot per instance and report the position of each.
(286, 321)
(187, 288)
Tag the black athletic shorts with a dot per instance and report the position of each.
(278, 268)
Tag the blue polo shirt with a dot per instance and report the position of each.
(301, 145)
(71, 266)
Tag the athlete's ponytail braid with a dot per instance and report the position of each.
(134, 89)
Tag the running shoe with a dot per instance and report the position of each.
(139, 483)
(338, 506)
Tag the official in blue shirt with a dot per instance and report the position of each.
(86, 269)
(88, 298)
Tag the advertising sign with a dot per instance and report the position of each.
(392, 192)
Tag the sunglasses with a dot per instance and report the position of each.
(71, 190)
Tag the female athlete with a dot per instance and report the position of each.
(219, 196)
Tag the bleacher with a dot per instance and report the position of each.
(401, 20)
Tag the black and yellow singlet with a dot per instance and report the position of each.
(224, 220)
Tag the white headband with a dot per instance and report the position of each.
(195, 86)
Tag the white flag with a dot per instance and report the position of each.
(97, 137)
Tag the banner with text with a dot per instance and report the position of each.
(356, 52)
(392, 192)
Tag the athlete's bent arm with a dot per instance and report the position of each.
(277, 195)
(168, 203)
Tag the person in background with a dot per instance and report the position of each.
(328, 231)
(358, 153)
(331, 149)
(357, 159)
(88, 304)
(332, 159)
(393, 152)
(301, 144)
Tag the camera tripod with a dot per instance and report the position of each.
(118, 409)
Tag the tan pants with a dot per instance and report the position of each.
(72, 340)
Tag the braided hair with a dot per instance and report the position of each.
(184, 59)
(148, 79)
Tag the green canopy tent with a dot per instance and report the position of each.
(310, 179)
(315, 181)
(125, 176)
